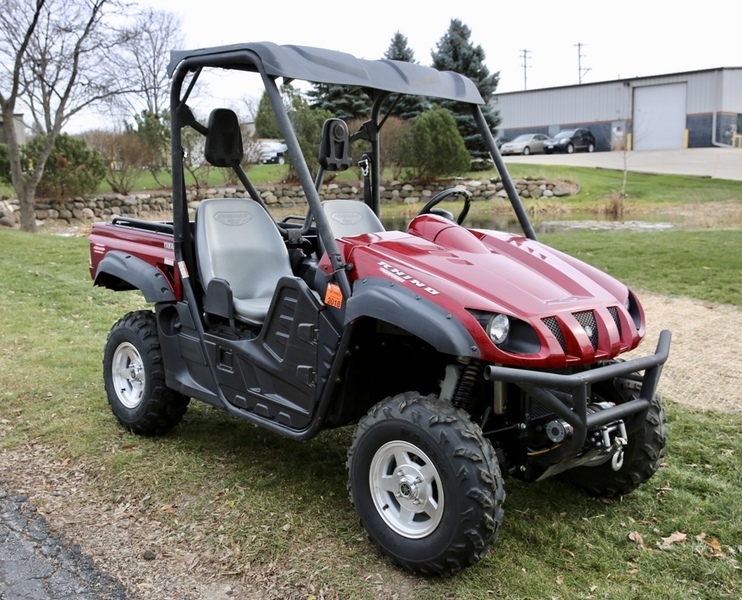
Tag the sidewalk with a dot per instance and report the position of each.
(718, 163)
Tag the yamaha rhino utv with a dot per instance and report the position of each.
(459, 354)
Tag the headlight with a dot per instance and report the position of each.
(498, 328)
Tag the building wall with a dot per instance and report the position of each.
(713, 107)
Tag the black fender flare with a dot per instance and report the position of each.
(392, 303)
(124, 271)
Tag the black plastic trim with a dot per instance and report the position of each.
(392, 303)
(117, 267)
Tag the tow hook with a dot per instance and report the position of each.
(618, 453)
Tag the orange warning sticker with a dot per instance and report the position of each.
(333, 296)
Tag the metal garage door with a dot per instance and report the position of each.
(659, 117)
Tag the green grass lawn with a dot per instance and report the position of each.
(260, 498)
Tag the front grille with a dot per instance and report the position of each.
(553, 326)
(614, 313)
(587, 320)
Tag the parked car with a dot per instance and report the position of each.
(272, 153)
(525, 144)
(570, 140)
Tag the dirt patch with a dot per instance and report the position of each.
(704, 370)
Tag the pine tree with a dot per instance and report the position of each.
(266, 124)
(407, 107)
(455, 52)
(343, 102)
(399, 49)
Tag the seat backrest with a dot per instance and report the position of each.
(238, 241)
(350, 217)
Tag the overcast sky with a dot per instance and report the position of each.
(625, 38)
(620, 39)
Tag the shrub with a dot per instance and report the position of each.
(435, 147)
(126, 156)
(72, 170)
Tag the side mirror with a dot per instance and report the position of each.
(334, 149)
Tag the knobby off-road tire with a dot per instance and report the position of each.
(134, 377)
(425, 483)
(642, 454)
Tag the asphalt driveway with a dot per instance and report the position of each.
(719, 163)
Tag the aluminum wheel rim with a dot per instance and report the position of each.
(128, 375)
(406, 489)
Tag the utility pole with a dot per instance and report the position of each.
(580, 70)
(524, 55)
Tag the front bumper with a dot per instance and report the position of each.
(538, 384)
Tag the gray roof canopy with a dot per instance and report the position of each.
(318, 65)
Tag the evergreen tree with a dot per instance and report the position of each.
(399, 49)
(266, 124)
(455, 52)
(407, 107)
(343, 102)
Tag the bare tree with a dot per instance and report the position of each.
(144, 58)
(54, 63)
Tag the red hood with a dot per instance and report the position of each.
(495, 272)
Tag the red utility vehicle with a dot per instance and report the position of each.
(461, 355)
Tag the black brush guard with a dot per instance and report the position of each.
(537, 384)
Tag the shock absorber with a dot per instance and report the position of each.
(463, 396)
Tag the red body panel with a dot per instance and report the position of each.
(152, 247)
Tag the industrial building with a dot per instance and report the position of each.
(695, 109)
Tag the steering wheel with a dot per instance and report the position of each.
(441, 196)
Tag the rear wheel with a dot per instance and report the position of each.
(425, 483)
(642, 454)
(591, 147)
(134, 377)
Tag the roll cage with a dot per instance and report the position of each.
(380, 79)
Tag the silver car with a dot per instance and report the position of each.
(528, 143)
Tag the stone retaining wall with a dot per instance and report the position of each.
(105, 206)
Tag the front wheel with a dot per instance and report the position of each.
(570, 149)
(134, 377)
(526, 151)
(426, 484)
